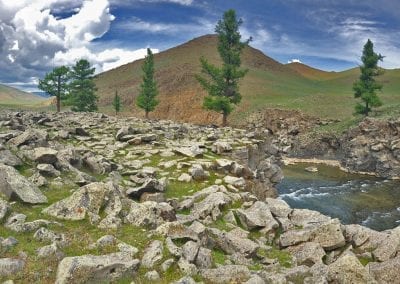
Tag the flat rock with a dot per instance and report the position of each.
(152, 254)
(385, 272)
(9, 159)
(258, 216)
(13, 184)
(226, 274)
(11, 266)
(44, 155)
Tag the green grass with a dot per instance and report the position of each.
(218, 256)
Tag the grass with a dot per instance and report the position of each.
(218, 256)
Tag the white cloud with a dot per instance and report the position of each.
(294, 60)
(33, 39)
(129, 2)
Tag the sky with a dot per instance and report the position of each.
(38, 35)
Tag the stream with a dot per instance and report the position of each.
(354, 199)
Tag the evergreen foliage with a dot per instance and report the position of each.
(82, 87)
(116, 103)
(55, 83)
(366, 87)
(222, 84)
(146, 99)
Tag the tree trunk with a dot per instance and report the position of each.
(224, 119)
(59, 94)
(147, 115)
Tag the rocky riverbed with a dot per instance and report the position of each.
(87, 198)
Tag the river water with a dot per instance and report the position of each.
(354, 199)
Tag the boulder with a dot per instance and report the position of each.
(192, 151)
(226, 274)
(50, 251)
(44, 155)
(235, 181)
(385, 272)
(211, 205)
(389, 246)
(278, 207)
(30, 137)
(13, 184)
(190, 250)
(9, 159)
(150, 214)
(307, 253)
(96, 269)
(4, 209)
(83, 202)
(152, 254)
(204, 258)
(258, 216)
(47, 170)
(220, 147)
(197, 172)
(11, 266)
(150, 185)
(17, 224)
(348, 269)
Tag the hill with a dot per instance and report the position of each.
(267, 84)
(11, 96)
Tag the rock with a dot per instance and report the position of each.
(45, 235)
(4, 209)
(47, 170)
(167, 264)
(151, 214)
(17, 224)
(152, 254)
(172, 248)
(211, 205)
(156, 197)
(9, 159)
(185, 280)
(30, 137)
(152, 276)
(191, 151)
(190, 250)
(86, 200)
(81, 132)
(311, 169)
(226, 274)
(96, 269)
(51, 251)
(389, 247)
(278, 207)
(12, 184)
(235, 181)
(177, 231)
(224, 164)
(45, 155)
(197, 172)
(11, 266)
(185, 178)
(220, 147)
(8, 242)
(255, 279)
(123, 132)
(151, 185)
(348, 269)
(385, 272)
(258, 216)
(204, 258)
(307, 253)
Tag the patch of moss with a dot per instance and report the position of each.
(365, 260)
(284, 258)
(218, 256)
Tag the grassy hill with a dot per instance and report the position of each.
(13, 97)
(267, 84)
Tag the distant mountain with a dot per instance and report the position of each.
(13, 96)
(267, 84)
(41, 94)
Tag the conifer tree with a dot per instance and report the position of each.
(83, 88)
(366, 87)
(116, 103)
(222, 84)
(146, 99)
(55, 83)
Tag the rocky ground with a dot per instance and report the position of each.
(371, 146)
(88, 198)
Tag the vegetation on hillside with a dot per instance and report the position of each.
(116, 103)
(222, 84)
(366, 87)
(146, 99)
(55, 83)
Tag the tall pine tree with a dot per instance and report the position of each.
(83, 88)
(146, 99)
(366, 87)
(116, 103)
(222, 84)
(55, 83)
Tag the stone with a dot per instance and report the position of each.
(220, 147)
(17, 224)
(192, 151)
(204, 258)
(258, 216)
(307, 253)
(186, 267)
(150, 185)
(185, 280)
(12, 184)
(311, 169)
(167, 264)
(172, 248)
(44, 155)
(81, 132)
(389, 247)
(50, 251)
(45, 235)
(152, 276)
(226, 274)
(211, 205)
(190, 250)
(86, 200)
(47, 170)
(197, 172)
(8, 242)
(96, 269)
(278, 207)
(385, 272)
(11, 266)
(185, 178)
(235, 181)
(30, 137)
(152, 254)
(150, 214)
(348, 269)
(177, 231)
(9, 159)
(4, 209)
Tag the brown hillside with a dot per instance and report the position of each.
(180, 94)
(310, 72)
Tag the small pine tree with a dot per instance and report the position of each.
(146, 99)
(83, 88)
(55, 83)
(366, 87)
(222, 84)
(117, 103)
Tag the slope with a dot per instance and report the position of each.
(12, 96)
(267, 84)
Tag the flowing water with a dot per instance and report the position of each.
(354, 199)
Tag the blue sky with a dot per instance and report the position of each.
(36, 35)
